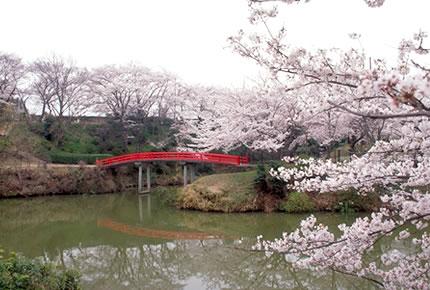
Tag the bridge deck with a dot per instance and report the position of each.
(191, 157)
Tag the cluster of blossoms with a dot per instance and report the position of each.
(313, 246)
(126, 90)
(403, 162)
(228, 119)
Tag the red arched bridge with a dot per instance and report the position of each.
(190, 157)
(184, 157)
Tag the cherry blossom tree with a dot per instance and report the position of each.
(11, 73)
(61, 86)
(175, 94)
(42, 86)
(132, 93)
(223, 119)
(390, 104)
(12, 79)
(132, 89)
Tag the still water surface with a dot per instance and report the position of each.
(126, 241)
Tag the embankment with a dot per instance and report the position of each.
(36, 181)
(231, 192)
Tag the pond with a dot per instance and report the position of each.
(127, 241)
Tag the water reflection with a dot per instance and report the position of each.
(194, 265)
(134, 242)
(152, 233)
(144, 198)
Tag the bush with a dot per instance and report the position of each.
(17, 272)
(297, 202)
(266, 183)
(75, 158)
(260, 178)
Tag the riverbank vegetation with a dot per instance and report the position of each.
(20, 273)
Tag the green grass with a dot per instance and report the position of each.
(78, 139)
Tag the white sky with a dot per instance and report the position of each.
(188, 37)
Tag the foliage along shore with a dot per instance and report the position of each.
(240, 192)
(19, 272)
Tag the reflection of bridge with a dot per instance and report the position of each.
(183, 157)
(153, 233)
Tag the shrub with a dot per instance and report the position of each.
(75, 158)
(266, 183)
(260, 178)
(297, 202)
(18, 272)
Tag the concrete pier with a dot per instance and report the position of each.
(140, 182)
(189, 173)
(185, 174)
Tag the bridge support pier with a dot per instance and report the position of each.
(185, 174)
(140, 178)
(189, 176)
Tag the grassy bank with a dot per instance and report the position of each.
(231, 192)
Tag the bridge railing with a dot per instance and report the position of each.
(174, 156)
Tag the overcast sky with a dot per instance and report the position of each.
(188, 37)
